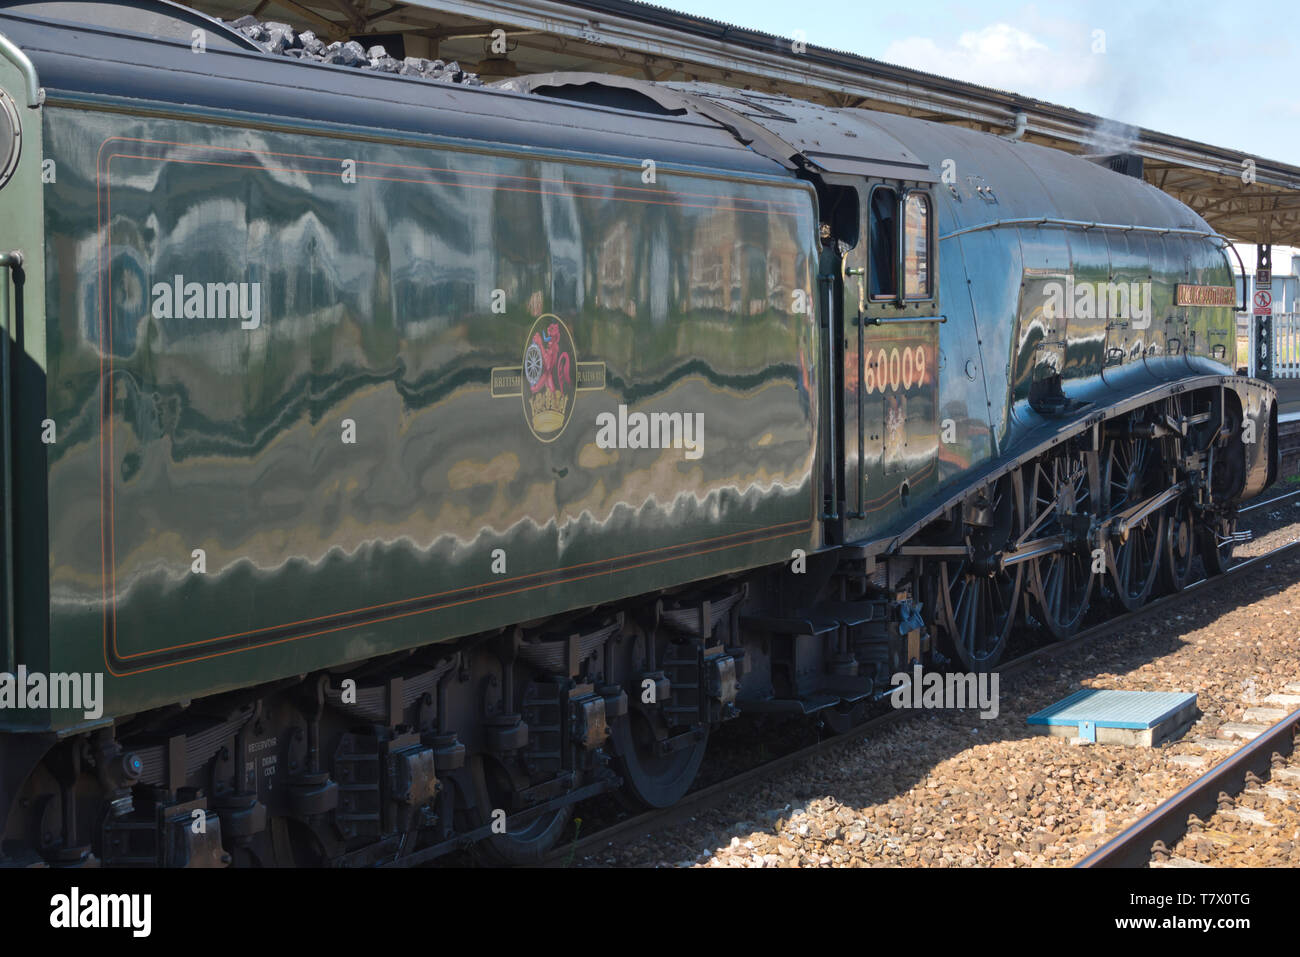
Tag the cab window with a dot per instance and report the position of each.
(884, 243)
(916, 246)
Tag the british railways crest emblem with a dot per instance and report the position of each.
(549, 379)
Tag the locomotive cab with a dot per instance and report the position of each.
(892, 355)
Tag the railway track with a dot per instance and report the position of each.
(703, 799)
(1288, 442)
(1275, 500)
(1265, 770)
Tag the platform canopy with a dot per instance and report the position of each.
(641, 40)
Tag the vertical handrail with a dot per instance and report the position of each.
(862, 416)
(8, 262)
(832, 456)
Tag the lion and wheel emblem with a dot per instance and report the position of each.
(548, 378)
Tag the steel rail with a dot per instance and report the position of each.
(1271, 501)
(1134, 846)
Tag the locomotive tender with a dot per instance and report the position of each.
(409, 460)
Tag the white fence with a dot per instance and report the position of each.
(1286, 345)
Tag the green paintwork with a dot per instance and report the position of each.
(176, 434)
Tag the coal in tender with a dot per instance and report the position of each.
(311, 43)
(280, 39)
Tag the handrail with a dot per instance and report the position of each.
(1113, 227)
(10, 51)
(1244, 281)
(8, 262)
(828, 282)
(1082, 224)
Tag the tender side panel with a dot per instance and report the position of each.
(423, 418)
(24, 584)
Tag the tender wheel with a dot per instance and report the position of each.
(651, 779)
(1218, 547)
(1060, 502)
(977, 598)
(1132, 471)
(525, 843)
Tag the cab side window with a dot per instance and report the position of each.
(916, 246)
(884, 243)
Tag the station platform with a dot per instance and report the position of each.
(1288, 399)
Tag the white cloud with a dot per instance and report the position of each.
(1000, 43)
(1001, 56)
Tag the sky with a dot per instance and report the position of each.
(1220, 73)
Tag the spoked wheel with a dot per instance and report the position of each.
(524, 843)
(1059, 503)
(1218, 546)
(1132, 471)
(977, 598)
(651, 779)
(1179, 547)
